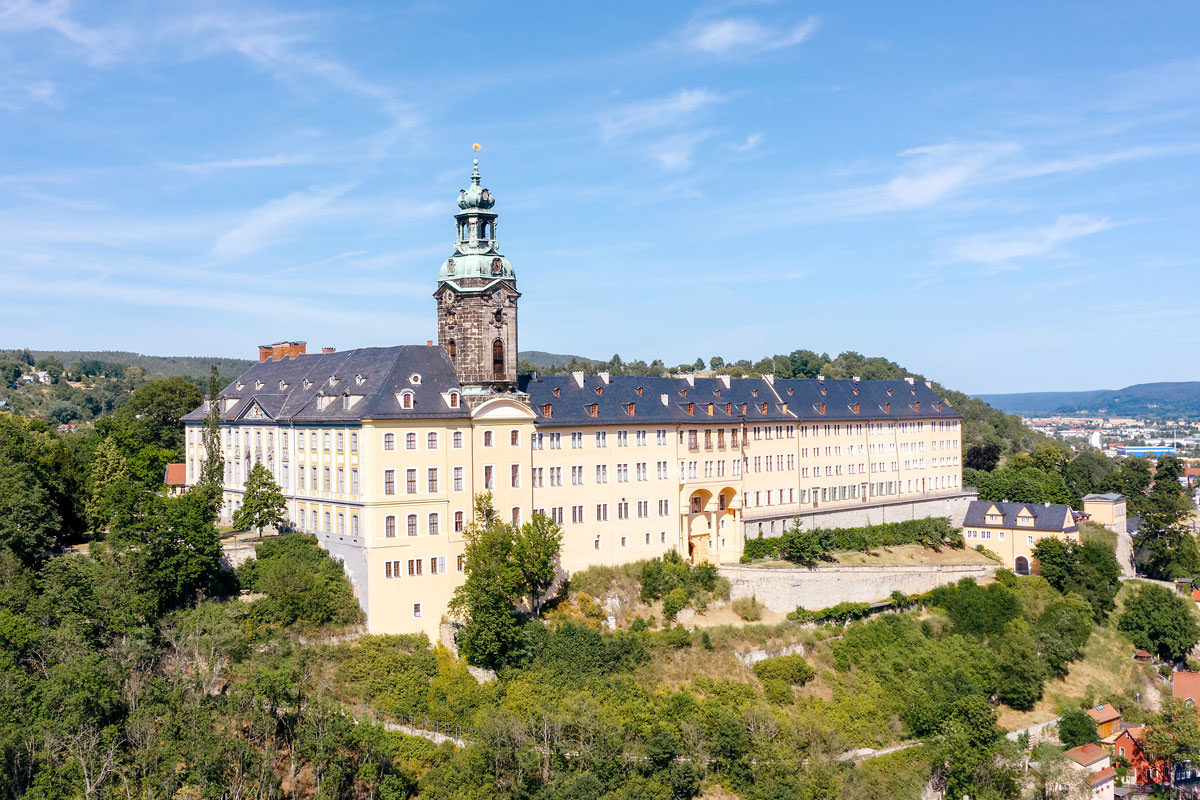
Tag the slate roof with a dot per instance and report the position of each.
(1056, 518)
(1110, 496)
(289, 389)
(669, 400)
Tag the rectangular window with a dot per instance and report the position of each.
(410, 481)
(487, 478)
(556, 441)
(431, 479)
(641, 438)
(431, 440)
(411, 525)
(664, 508)
(622, 473)
(602, 512)
(353, 481)
(341, 480)
(622, 438)
(601, 473)
(457, 441)
(577, 476)
(459, 523)
(353, 443)
(460, 563)
(514, 437)
(458, 479)
(284, 478)
(515, 477)
(417, 606)
(341, 441)
(433, 523)
(660, 436)
(536, 475)
(577, 514)
(601, 439)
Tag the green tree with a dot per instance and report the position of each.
(1174, 735)
(262, 502)
(1075, 727)
(536, 546)
(212, 468)
(108, 486)
(484, 600)
(983, 457)
(151, 417)
(1160, 621)
(29, 522)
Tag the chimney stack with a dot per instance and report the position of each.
(328, 350)
(280, 351)
(429, 342)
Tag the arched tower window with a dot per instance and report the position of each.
(452, 348)
(498, 360)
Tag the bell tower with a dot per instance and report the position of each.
(477, 298)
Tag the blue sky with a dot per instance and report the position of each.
(999, 196)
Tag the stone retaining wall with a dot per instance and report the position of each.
(952, 504)
(784, 588)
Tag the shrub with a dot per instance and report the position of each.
(674, 602)
(748, 608)
(778, 692)
(677, 637)
(301, 582)
(809, 547)
(792, 670)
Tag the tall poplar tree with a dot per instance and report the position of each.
(262, 502)
(212, 470)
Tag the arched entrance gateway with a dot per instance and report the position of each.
(712, 525)
(1021, 565)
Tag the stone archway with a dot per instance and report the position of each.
(1021, 565)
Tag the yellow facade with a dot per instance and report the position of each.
(391, 497)
(1012, 530)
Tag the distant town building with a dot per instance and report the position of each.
(1096, 765)
(1146, 452)
(175, 478)
(1012, 530)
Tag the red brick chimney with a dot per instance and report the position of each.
(281, 350)
(328, 350)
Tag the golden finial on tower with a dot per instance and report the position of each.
(476, 147)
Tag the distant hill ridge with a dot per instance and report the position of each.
(167, 366)
(1164, 399)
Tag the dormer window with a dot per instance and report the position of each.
(258, 385)
(639, 391)
(792, 392)
(594, 410)
(557, 392)
(240, 386)
(307, 384)
(599, 390)
(691, 409)
(729, 408)
(333, 381)
(415, 379)
(283, 385)
(453, 399)
(763, 408)
(547, 410)
(744, 407)
(359, 380)
(683, 393)
(710, 409)
(754, 392)
(406, 399)
(994, 519)
(629, 409)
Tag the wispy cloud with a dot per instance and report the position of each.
(743, 36)
(17, 92)
(1004, 248)
(676, 152)
(752, 141)
(97, 45)
(241, 163)
(266, 224)
(651, 114)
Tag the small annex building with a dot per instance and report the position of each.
(1012, 530)
(1107, 509)
(1107, 719)
(1096, 764)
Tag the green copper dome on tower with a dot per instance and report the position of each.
(476, 252)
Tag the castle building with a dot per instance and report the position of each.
(381, 450)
